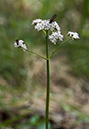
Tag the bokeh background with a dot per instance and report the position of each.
(23, 75)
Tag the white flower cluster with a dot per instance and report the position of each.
(74, 35)
(46, 25)
(55, 36)
(20, 43)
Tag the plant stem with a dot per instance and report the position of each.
(37, 54)
(48, 84)
(58, 47)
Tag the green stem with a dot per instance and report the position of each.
(37, 54)
(44, 32)
(58, 48)
(48, 84)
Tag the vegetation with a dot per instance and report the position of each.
(23, 78)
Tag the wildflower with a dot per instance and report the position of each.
(74, 35)
(20, 43)
(45, 25)
(56, 36)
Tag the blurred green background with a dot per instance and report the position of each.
(17, 68)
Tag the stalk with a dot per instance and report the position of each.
(48, 84)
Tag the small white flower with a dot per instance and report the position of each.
(74, 35)
(55, 36)
(15, 45)
(24, 47)
(36, 21)
(57, 26)
(39, 26)
(20, 43)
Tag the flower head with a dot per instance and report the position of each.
(56, 36)
(20, 43)
(47, 25)
(74, 35)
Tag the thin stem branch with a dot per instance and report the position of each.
(58, 48)
(36, 54)
(44, 32)
(48, 84)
